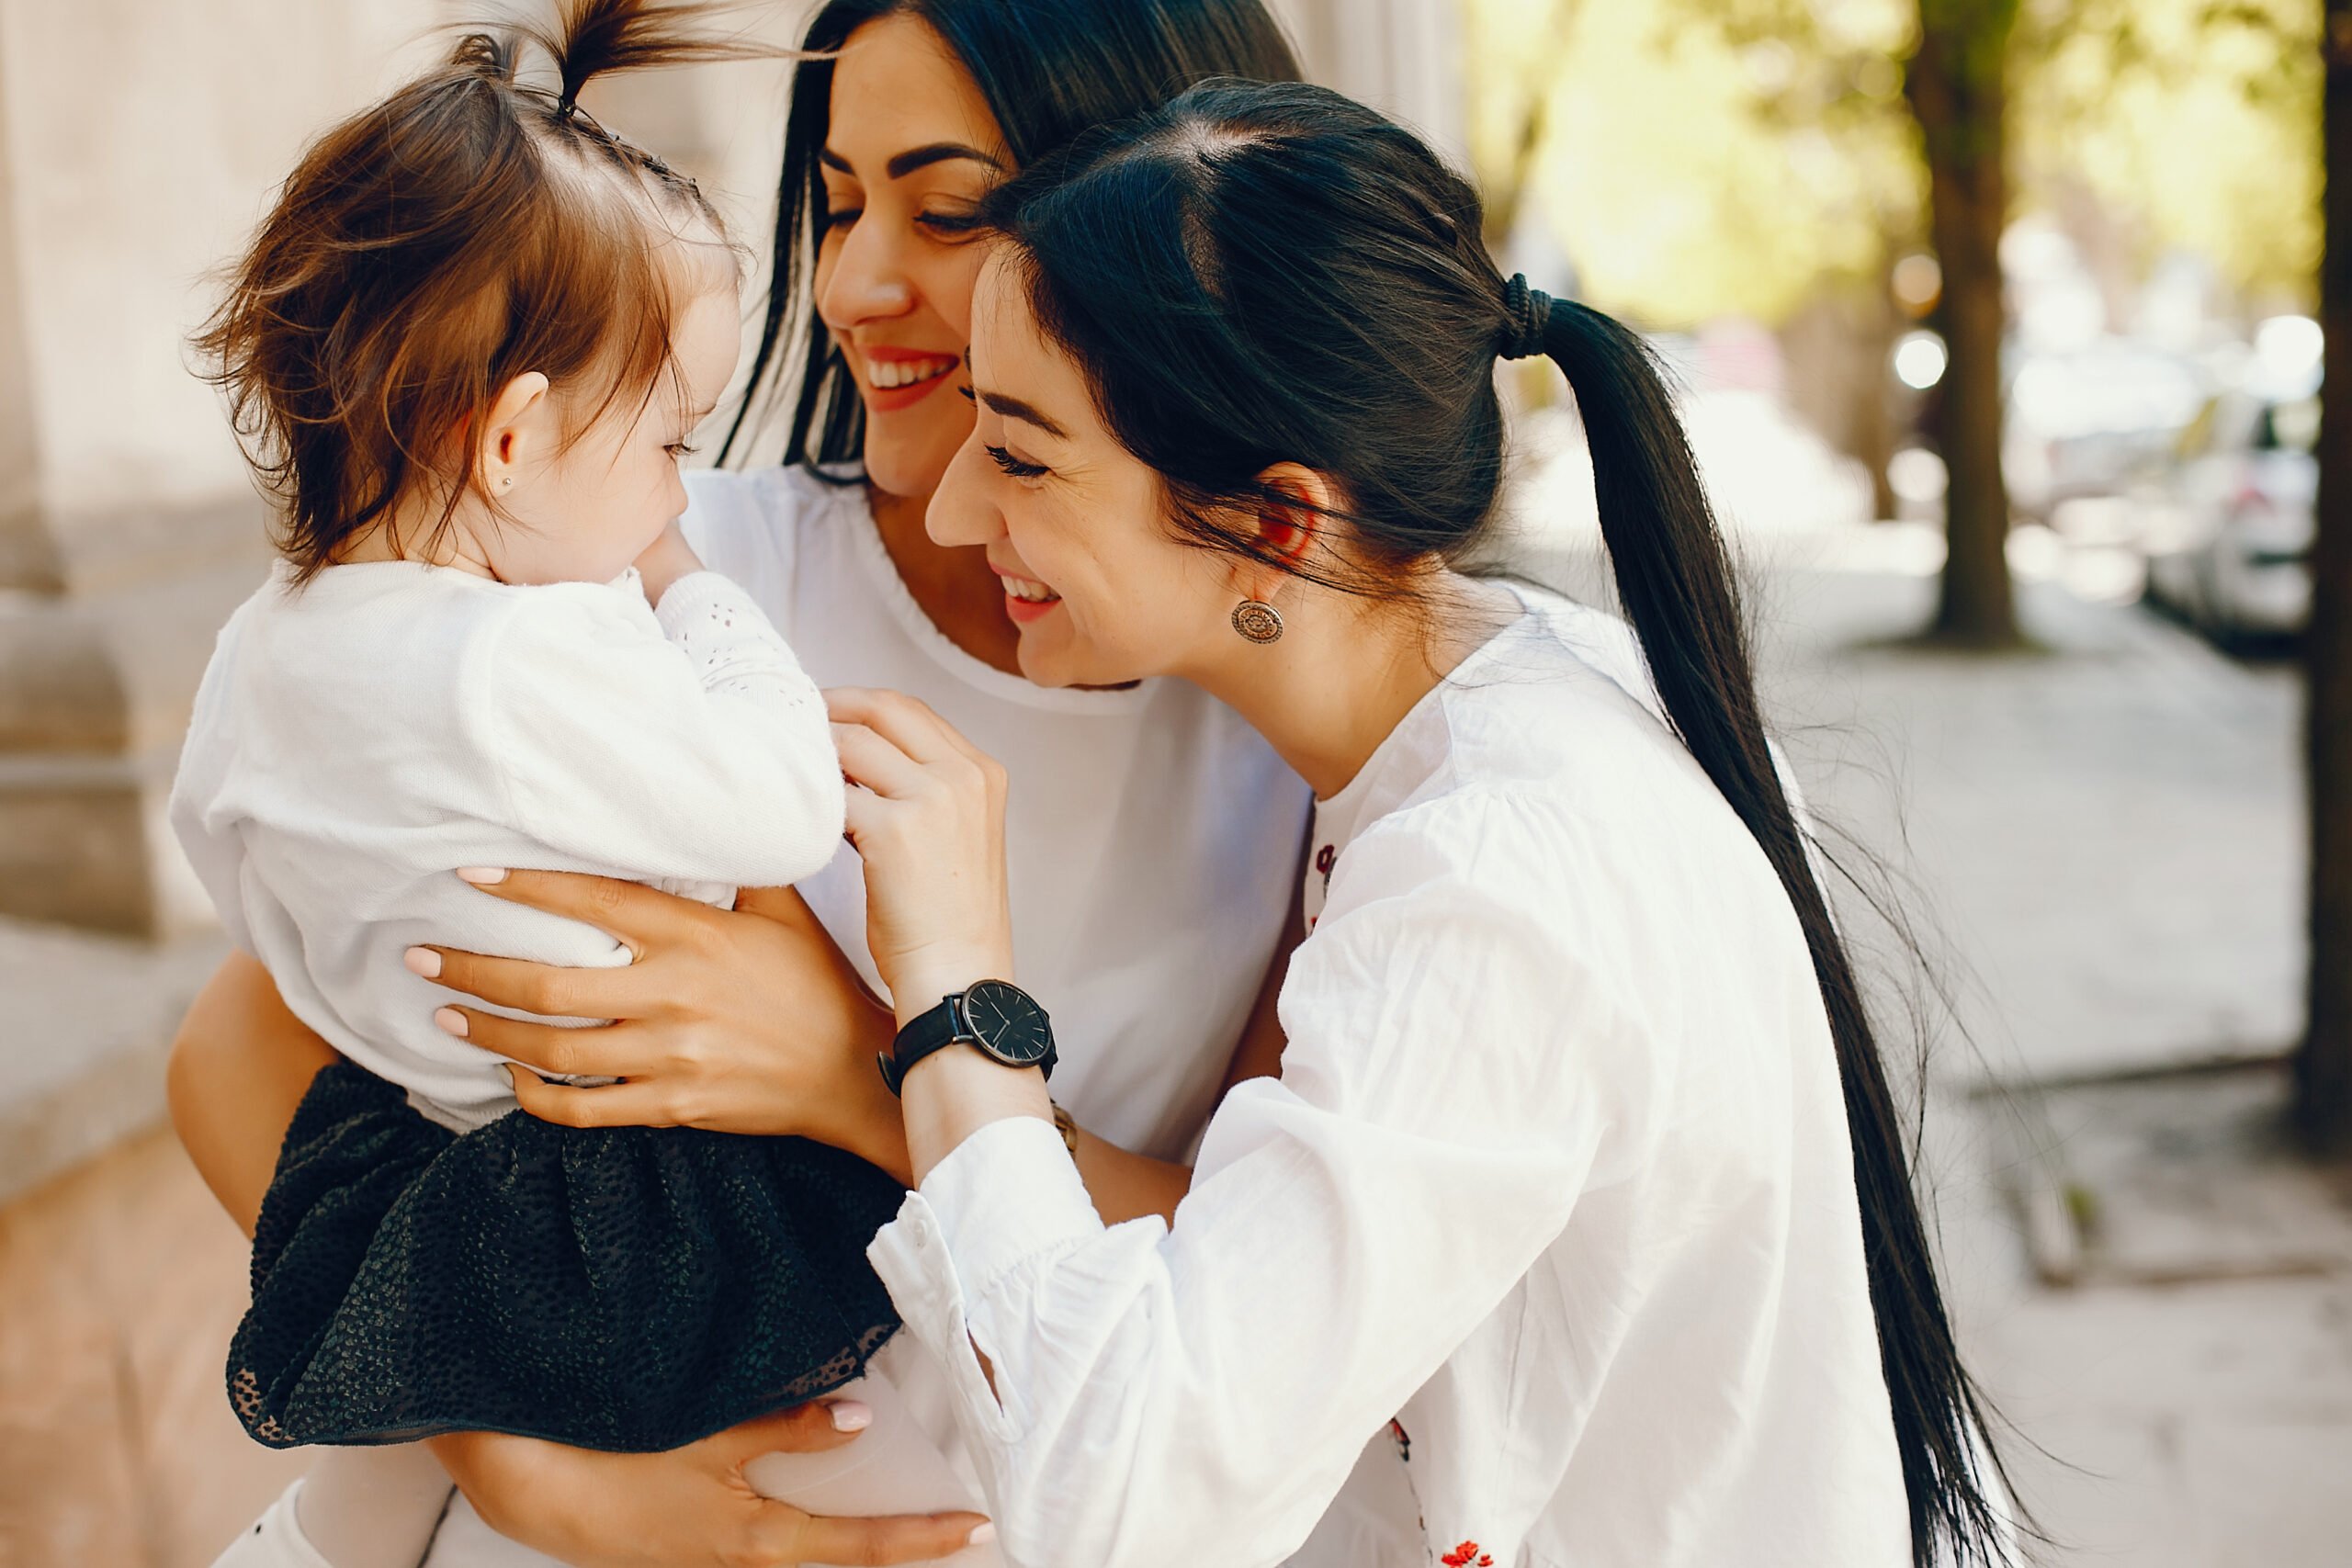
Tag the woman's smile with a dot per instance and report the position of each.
(1025, 598)
(899, 379)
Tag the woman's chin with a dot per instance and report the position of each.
(1047, 660)
(908, 462)
(1042, 665)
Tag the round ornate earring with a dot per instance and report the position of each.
(1258, 620)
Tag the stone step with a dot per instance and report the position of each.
(95, 694)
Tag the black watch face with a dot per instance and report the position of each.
(1011, 1027)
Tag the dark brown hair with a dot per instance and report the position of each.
(471, 227)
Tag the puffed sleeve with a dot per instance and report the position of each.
(1458, 1072)
(207, 832)
(688, 744)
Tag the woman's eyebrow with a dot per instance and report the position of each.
(1013, 408)
(904, 163)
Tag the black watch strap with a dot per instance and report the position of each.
(935, 1030)
(996, 1018)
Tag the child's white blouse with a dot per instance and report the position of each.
(1556, 1176)
(358, 738)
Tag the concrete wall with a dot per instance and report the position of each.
(138, 142)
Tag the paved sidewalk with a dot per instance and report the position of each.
(83, 1039)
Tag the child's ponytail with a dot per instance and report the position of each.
(605, 37)
(1675, 582)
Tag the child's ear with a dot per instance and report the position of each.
(512, 434)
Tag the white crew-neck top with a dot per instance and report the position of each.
(1152, 838)
(1554, 1186)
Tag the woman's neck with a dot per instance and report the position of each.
(1346, 672)
(951, 584)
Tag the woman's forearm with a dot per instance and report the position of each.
(240, 1066)
(1128, 1186)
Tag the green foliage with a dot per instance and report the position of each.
(2197, 119)
(1701, 157)
(1693, 171)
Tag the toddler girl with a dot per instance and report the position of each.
(466, 351)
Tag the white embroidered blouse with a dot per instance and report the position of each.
(1555, 1176)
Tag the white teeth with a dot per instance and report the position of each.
(1033, 592)
(887, 372)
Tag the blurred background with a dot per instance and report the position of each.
(1999, 323)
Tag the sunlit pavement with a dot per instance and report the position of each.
(2102, 844)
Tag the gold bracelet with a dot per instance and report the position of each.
(1068, 1127)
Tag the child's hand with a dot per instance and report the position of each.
(665, 561)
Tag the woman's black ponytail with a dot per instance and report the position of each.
(1261, 274)
(1675, 582)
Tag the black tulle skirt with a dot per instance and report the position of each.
(631, 1288)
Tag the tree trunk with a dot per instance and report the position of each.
(1957, 83)
(2324, 1067)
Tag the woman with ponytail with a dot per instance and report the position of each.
(1581, 1182)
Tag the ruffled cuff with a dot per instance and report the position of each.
(1006, 1195)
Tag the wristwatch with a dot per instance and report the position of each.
(996, 1018)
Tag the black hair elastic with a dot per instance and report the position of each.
(1529, 309)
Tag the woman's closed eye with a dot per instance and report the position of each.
(841, 217)
(1017, 467)
(950, 225)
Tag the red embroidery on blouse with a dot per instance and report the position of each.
(1464, 1555)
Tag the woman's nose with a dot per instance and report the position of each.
(868, 282)
(960, 512)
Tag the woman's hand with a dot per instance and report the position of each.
(928, 820)
(689, 1505)
(742, 1020)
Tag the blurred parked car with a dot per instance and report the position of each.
(2094, 421)
(2228, 534)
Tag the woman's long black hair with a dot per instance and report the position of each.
(1048, 70)
(1253, 275)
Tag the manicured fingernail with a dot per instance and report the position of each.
(423, 961)
(451, 1020)
(982, 1533)
(483, 874)
(849, 1416)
